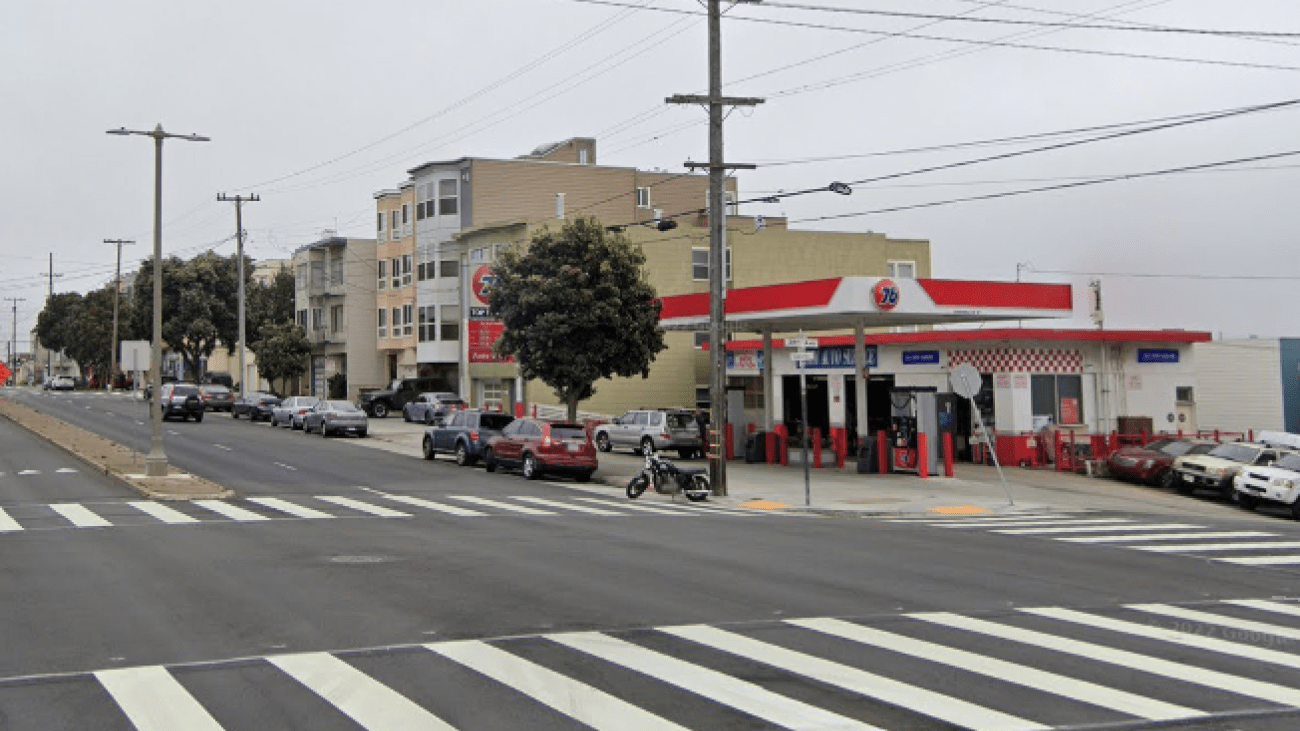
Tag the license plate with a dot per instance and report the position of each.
(574, 446)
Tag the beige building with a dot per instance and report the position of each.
(335, 304)
(395, 281)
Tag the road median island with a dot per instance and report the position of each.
(109, 457)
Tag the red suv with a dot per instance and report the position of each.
(536, 446)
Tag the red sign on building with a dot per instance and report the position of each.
(482, 335)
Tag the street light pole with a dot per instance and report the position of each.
(155, 463)
(117, 295)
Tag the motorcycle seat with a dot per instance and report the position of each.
(693, 470)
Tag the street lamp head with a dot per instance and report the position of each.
(195, 138)
(120, 131)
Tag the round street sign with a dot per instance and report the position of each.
(885, 294)
(965, 380)
(481, 283)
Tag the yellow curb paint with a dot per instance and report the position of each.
(959, 510)
(764, 505)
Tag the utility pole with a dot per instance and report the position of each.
(49, 354)
(13, 347)
(717, 242)
(239, 201)
(117, 295)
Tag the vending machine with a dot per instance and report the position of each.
(914, 411)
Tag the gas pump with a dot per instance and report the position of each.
(914, 412)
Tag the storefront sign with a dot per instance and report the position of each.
(482, 335)
(481, 283)
(919, 357)
(840, 357)
(1070, 411)
(745, 360)
(1153, 355)
(885, 294)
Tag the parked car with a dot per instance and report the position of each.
(1278, 484)
(183, 400)
(148, 384)
(216, 398)
(431, 408)
(651, 430)
(290, 411)
(256, 405)
(1153, 463)
(537, 447)
(218, 378)
(62, 383)
(464, 434)
(334, 417)
(1216, 469)
(398, 394)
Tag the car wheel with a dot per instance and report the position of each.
(1295, 510)
(363, 434)
(531, 469)
(323, 431)
(427, 448)
(1166, 479)
(428, 418)
(489, 461)
(1247, 502)
(234, 414)
(584, 476)
(647, 446)
(602, 442)
(462, 456)
(685, 453)
(1183, 486)
(406, 416)
(380, 409)
(198, 418)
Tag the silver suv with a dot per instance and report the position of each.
(646, 430)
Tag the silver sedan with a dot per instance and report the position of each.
(291, 411)
(335, 417)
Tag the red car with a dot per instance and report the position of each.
(536, 446)
(1151, 464)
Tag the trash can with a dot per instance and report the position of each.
(756, 447)
(867, 461)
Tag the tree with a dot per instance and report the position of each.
(577, 307)
(282, 352)
(55, 326)
(269, 304)
(200, 305)
(92, 344)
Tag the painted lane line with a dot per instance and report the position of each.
(26, 473)
(65, 471)
(80, 516)
(230, 511)
(1265, 606)
(287, 467)
(173, 432)
(715, 686)
(579, 701)
(500, 505)
(1261, 628)
(1218, 547)
(222, 446)
(373, 705)
(357, 505)
(1169, 537)
(139, 423)
(1100, 653)
(154, 701)
(285, 506)
(8, 524)
(439, 507)
(637, 508)
(1041, 680)
(727, 511)
(1263, 560)
(162, 512)
(1029, 523)
(560, 505)
(926, 702)
(1094, 529)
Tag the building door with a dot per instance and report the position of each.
(493, 394)
(1185, 417)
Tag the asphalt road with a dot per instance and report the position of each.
(349, 587)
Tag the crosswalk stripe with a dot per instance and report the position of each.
(565, 506)
(430, 505)
(233, 512)
(1095, 529)
(1266, 606)
(162, 512)
(284, 506)
(371, 704)
(717, 687)
(1168, 536)
(500, 505)
(718, 510)
(357, 505)
(1042, 680)
(80, 516)
(588, 705)
(153, 700)
(1218, 547)
(920, 700)
(1263, 560)
(8, 524)
(1243, 625)
(1101, 653)
(931, 518)
(636, 508)
(1029, 523)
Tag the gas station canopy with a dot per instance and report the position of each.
(871, 302)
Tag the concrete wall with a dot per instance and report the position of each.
(1240, 385)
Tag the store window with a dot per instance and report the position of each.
(1058, 397)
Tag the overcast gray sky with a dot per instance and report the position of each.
(315, 106)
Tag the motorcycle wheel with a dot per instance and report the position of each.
(698, 489)
(636, 486)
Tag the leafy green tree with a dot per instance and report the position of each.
(282, 353)
(92, 344)
(577, 307)
(269, 304)
(200, 306)
(55, 326)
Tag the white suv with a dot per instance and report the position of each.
(1216, 469)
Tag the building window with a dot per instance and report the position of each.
(700, 265)
(336, 318)
(317, 318)
(428, 324)
(583, 155)
(642, 197)
(383, 323)
(406, 213)
(300, 317)
(450, 329)
(318, 274)
(559, 205)
(379, 224)
(301, 276)
(1059, 397)
(383, 274)
(1184, 395)
(397, 322)
(902, 269)
(336, 271)
(407, 325)
(449, 268)
(397, 272)
(395, 229)
(701, 338)
(447, 197)
(406, 269)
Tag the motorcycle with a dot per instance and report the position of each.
(669, 479)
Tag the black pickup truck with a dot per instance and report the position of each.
(464, 435)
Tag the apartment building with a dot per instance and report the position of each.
(395, 281)
(335, 304)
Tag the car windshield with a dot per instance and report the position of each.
(343, 406)
(1289, 462)
(568, 431)
(496, 422)
(1200, 449)
(1174, 449)
(1234, 452)
(395, 385)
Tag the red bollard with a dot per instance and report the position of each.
(731, 448)
(1216, 436)
(817, 448)
(947, 455)
(842, 448)
(1250, 435)
(519, 409)
(770, 452)
(882, 452)
(1056, 449)
(922, 455)
(534, 411)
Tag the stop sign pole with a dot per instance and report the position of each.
(803, 354)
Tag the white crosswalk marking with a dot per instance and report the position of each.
(1262, 628)
(1168, 537)
(1093, 529)
(8, 524)
(1100, 653)
(162, 512)
(1047, 682)
(1213, 547)
(26, 473)
(636, 508)
(153, 700)
(1263, 560)
(718, 687)
(500, 505)
(65, 471)
(1001, 523)
(371, 704)
(284, 506)
(564, 505)
(80, 516)
(1267, 606)
(439, 507)
(935, 705)
(357, 505)
(579, 701)
(233, 512)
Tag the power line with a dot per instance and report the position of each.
(1248, 277)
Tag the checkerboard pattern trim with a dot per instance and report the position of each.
(1018, 360)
